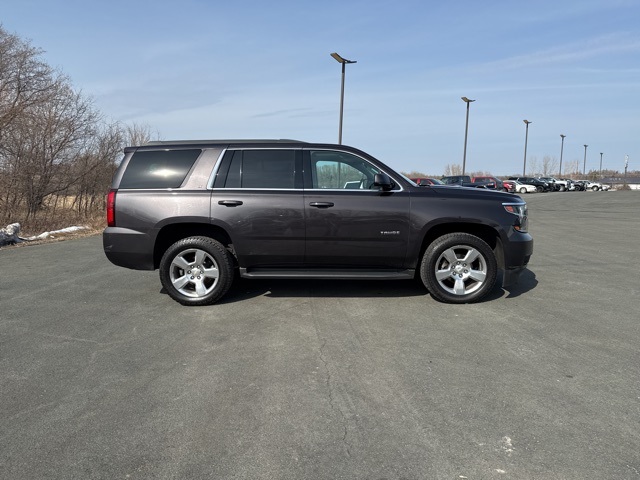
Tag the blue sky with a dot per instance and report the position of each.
(254, 69)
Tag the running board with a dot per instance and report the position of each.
(338, 274)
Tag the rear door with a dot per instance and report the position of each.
(257, 197)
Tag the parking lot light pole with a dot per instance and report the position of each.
(466, 131)
(561, 149)
(526, 138)
(601, 164)
(343, 61)
(584, 165)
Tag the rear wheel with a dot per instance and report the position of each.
(196, 271)
(459, 268)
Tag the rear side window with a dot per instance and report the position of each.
(158, 168)
(258, 169)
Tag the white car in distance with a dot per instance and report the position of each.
(523, 187)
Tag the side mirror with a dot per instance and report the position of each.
(383, 181)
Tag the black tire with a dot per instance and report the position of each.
(459, 268)
(539, 189)
(523, 190)
(210, 263)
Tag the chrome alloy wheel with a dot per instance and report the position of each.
(194, 273)
(461, 270)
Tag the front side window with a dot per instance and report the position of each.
(341, 171)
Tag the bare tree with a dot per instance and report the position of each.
(52, 135)
(549, 165)
(96, 167)
(453, 169)
(25, 80)
(55, 149)
(572, 168)
(136, 134)
(532, 166)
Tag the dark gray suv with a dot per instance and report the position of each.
(204, 211)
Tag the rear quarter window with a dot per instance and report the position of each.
(158, 168)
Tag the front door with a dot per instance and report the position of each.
(349, 222)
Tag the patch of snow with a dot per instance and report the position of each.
(63, 230)
(10, 234)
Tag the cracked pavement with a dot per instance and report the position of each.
(103, 376)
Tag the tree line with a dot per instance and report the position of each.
(57, 151)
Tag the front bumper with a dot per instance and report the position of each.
(517, 253)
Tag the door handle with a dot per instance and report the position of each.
(321, 204)
(230, 203)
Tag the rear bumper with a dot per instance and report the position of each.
(128, 248)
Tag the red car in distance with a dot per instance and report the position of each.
(426, 181)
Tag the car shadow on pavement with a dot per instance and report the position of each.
(244, 289)
(526, 283)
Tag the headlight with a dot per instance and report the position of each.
(520, 211)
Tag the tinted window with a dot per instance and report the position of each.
(258, 169)
(340, 170)
(158, 168)
(229, 177)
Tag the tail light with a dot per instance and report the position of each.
(111, 208)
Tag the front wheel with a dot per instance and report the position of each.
(523, 190)
(196, 271)
(459, 268)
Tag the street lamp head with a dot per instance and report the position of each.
(465, 99)
(527, 122)
(563, 136)
(342, 60)
(586, 146)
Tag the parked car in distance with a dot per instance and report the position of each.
(509, 185)
(426, 181)
(589, 185)
(580, 185)
(490, 182)
(539, 184)
(462, 180)
(456, 179)
(571, 185)
(205, 212)
(557, 183)
(522, 187)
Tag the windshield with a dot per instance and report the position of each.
(413, 184)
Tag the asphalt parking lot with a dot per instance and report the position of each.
(102, 376)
